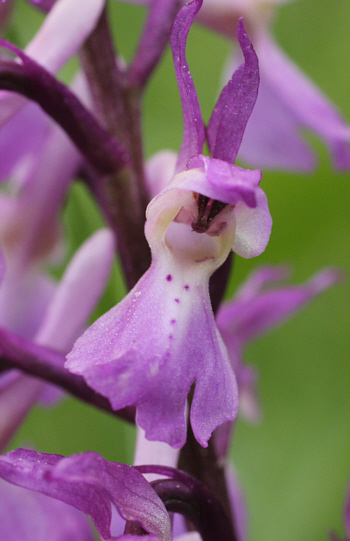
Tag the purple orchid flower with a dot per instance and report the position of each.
(162, 337)
(89, 483)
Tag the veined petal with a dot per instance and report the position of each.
(90, 483)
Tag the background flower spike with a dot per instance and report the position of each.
(194, 133)
(235, 104)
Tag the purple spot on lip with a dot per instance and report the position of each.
(170, 336)
(169, 278)
(187, 287)
(173, 321)
(177, 300)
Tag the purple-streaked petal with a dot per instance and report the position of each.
(245, 319)
(153, 40)
(26, 515)
(309, 106)
(49, 49)
(78, 292)
(235, 105)
(58, 101)
(194, 135)
(90, 483)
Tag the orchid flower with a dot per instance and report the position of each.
(162, 338)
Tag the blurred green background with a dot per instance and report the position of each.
(295, 464)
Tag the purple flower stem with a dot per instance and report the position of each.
(204, 464)
(105, 79)
(46, 364)
(123, 197)
(154, 38)
(184, 494)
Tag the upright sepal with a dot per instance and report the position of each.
(194, 134)
(235, 105)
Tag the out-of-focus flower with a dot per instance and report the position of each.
(87, 482)
(57, 322)
(261, 304)
(162, 337)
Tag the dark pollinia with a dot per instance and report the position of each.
(207, 210)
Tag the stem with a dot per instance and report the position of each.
(203, 464)
(184, 494)
(46, 364)
(122, 195)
